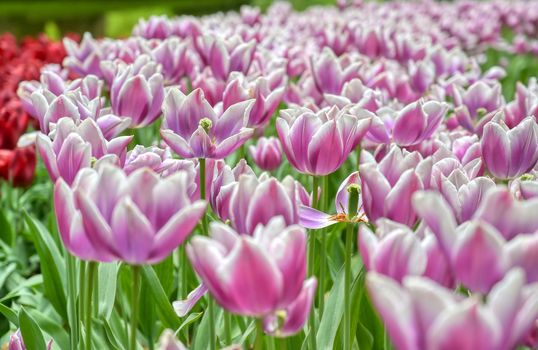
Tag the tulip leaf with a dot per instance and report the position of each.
(334, 308)
(108, 276)
(6, 231)
(193, 317)
(51, 327)
(52, 265)
(31, 334)
(166, 312)
(9, 314)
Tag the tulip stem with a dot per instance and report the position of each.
(258, 343)
(92, 266)
(359, 150)
(134, 305)
(311, 253)
(352, 208)
(323, 256)
(211, 311)
(71, 290)
(82, 294)
(227, 328)
(202, 193)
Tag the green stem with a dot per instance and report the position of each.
(95, 312)
(88, 304)
(359, 156)
(258, 343)
(352, 210)
(311, 254)
(72, 300)
(347, 287)
(134, 305)
(211, 310)
(202, 193)
(82, 293)
(323, 255)
(228, 328)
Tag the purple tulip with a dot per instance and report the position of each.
(267, 153)
(355, 92)
(75, 147)
(266, 98)
(151, 157)
(525, 103)
(248, 205)
(173, 56)
(137, 94)
(319, 143)
(478, 98)
(387, 186)
(193, 129)
(138, 218)
(417, 122)
(83, 58)
(510, 153)
(330, 72)
(226, 55)
(314, 219)
(253, 276)
(423, 315)
(155, 27)
(168, 341)
(16, 342)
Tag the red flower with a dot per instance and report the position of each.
(13, 123)
(18, 166)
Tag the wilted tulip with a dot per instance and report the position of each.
(138, 218)
(267, 153)
(510, 153)
(253, 276)
(193, 129)
(318, 143)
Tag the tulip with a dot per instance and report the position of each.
(149, 157)
(246, 276)
(525, 103)
(16, 342)
(319, 143)
(168, 341)
(137, 95)
(17, 166)
(330, 73)
(314, 219)
(137, 218)
(172, 54)
(267, 154)
(193, 129)
(248, 205)
(423, 315)
(226, 55)
(417, 122)
(510, 153)
(266, 99)
(355, 92)
(387, 186)
(83, 58)
(74, 147)
(478, 98)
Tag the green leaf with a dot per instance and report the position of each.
(201, 338)
(6, 231)
(52, 265)
(9, 314)
(193, 317)
(108, 276)
(334, 309)
(31, 334)
(52, 327)
(166, 312)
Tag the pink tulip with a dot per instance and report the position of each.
(75, 147)
(510, 153)
(193, 129)
(252, 276)
(16, 342)
(137, 218)
(387, 186)
(417, 122)
(330, 72)
(267, 153)
(319, 143)
(423, 315)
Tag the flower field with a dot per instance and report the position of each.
(355, 176)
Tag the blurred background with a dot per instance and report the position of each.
(112, 18)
